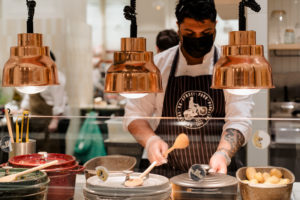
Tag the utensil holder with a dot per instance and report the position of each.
(23, 148)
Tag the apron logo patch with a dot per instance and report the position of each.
(194, 108)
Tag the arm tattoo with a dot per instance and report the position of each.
(235, 138)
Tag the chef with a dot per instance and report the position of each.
(188, 104)
(166, 39)
(51, 102)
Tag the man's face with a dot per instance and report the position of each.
(197, 37)
(193, 28)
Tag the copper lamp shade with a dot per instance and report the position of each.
(133, 70)
(29, 63)
(242, 64)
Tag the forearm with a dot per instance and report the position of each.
(53, 125)
(141, 131)
(231, 141)
(57, 117)
(238, 114)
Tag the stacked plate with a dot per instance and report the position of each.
(155, 187)
(32, 186)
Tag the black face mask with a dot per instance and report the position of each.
(198, 47)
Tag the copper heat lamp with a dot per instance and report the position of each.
(133, 73)
(242, 68)
(29, 67)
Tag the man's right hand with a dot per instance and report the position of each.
(155, 148)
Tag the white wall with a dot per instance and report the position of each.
(117, 26)
(65, 31)
(150, 21)
(259, 23)
(95, 19)
(109, 25)
(45, 9)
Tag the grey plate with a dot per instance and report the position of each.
(114, 185)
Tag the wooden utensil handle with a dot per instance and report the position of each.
(8, 122)
(36, 168)
(148, 170)
(169, 151)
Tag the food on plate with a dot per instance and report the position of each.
(250, 173)
(273, 177)
(257, 140)
(276, 172)
(134, 182)
(245, 181)
(272, 180)
(284, 181)
(259, 177)
(266, 175)
(102, 173)
(253, 181)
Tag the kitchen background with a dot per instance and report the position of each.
(78, 33)
(284, 54)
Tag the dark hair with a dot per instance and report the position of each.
(196, 9)
(166, 39)
(52, 56)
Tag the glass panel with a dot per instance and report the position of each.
(99, 132)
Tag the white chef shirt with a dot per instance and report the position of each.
(238, 108)
(97, 79)
(55, 96)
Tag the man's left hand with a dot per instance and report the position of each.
(218, 164)
(53, 125)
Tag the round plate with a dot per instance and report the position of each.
(27, 180)
(261, 139)
(114, 185)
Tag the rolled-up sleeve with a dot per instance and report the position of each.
(141, 108)
(25, 104)
(58, 96)
(238, 113)
(58, 101)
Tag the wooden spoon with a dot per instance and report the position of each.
(139, 180)
(8, 122)
(13, 177)
(181, 142)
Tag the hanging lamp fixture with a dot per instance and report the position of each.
(133, 73)
(242, 68)
(30, 68)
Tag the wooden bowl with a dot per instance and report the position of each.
(262, 191)
(113, 163)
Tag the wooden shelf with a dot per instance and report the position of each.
(284, 46)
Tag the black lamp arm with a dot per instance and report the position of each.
(253, 5)
(130, 14)
(31, 6)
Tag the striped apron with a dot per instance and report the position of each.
(189, 104)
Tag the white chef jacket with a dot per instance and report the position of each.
(97, 78)
(237, 107)
(55, 96)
